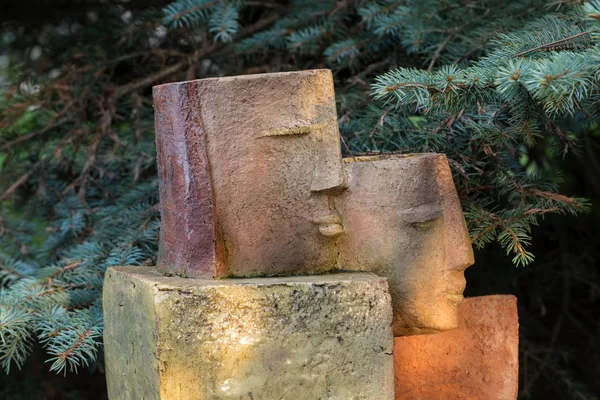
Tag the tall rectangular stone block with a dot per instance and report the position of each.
(310, 337)
(477, 361)
(244, 165)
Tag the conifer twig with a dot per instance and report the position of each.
(195, 56)
(18, 183)
(68, 352)
(346, 146)
(555, 43)
(181, 14)
(438, 51)
(32, 135)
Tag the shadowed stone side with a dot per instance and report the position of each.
(312, 337)
(477, 361)
(129, 338)
(189, 238)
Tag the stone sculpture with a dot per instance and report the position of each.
(247, 166)
(402, 220)
(252, 183)
(283, 269)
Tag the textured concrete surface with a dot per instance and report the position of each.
(477, 361)
(319, 337)
(402, 220)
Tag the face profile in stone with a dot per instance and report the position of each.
(252, 183)
(254, 161)
(402, 219)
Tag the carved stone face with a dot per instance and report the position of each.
(252, 183)
(402, 220)
(274, 161)
(270, 147)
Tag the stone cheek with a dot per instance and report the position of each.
(477, 361)
(319, 337)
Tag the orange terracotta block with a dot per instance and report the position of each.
(477, 361)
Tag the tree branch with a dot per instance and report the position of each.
(194, 57)
(21, 181)
(548, 45)
(31, 135)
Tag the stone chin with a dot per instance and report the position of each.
(435, 315)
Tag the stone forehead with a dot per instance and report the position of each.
(405, 180)
(261, 105)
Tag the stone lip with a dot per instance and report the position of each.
(313, 337)
(477, 361)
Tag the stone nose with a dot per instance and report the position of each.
(458, 248)
(457, 243)
(329, 186)
(328, 174)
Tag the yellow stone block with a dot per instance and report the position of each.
(302, 337)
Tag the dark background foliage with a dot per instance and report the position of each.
(77, 174)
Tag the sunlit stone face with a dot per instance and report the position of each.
(274, 163)
(402, 220)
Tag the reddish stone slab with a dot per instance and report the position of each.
(477, 361)
(189, 236)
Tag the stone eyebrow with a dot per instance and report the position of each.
(296, 130)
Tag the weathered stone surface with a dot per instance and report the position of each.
(402, 220)
(477, 361)
(190, 237)
(246, 167)
(319, 337)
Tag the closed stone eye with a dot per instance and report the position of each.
(424, 226)
(293, 131)
(422, 217)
